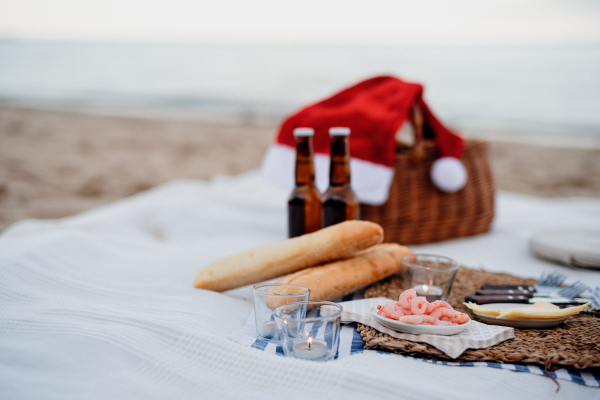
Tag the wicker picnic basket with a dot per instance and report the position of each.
(417, 212)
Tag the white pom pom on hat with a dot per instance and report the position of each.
(448, 174)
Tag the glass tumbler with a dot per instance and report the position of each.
(309, 330)
(269, 296)
(430, 275)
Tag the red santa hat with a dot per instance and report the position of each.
(374, 110)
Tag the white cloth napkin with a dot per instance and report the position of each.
(476, 336)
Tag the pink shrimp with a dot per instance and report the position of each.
(418, 305)
(406, 297)
(401, 310)
(413, 309)
(390, 304)
(437, 313)
(444, 313)
(453, 316)
(434, 305)
(450, 315)
(395, 308)
(462, 318)
(388, 313)
(439, 322)
(427, 319)
(411, 319)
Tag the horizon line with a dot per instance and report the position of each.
(261, 43)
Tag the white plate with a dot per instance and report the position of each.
(418, 329)
(517, 322)
(578, 248)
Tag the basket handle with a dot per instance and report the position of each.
(416, 122)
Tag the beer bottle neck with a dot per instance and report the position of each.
(305, 170)
(339, 169)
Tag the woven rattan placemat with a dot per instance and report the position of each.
(575, 343)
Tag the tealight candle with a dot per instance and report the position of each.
(310, 349)
(270, 330)
(430, 292)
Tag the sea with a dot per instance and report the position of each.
(550, 91)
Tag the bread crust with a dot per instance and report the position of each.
(336, 279)
(276, 259)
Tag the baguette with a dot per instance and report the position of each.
(277, 259)
(339, 278)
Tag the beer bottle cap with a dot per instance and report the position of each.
(300, 132)
(338, 131)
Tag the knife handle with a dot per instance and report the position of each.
(496, 299)
(524, 288)
(503, 292)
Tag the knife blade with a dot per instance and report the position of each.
(537, 290)
(523, 288)
(522, 299)
(503, 292)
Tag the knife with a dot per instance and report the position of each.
(523, 299)
(536, 290)
(523, 288)
(503, 292)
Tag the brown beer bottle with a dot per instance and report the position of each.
(339, 201)
(304, 204)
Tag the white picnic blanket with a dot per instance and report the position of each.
(101, 305)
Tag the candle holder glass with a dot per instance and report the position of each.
(431, 276)
(309, 330)
(269, 296)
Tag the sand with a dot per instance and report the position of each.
(56, 163)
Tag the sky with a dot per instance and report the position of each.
(306, 22)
